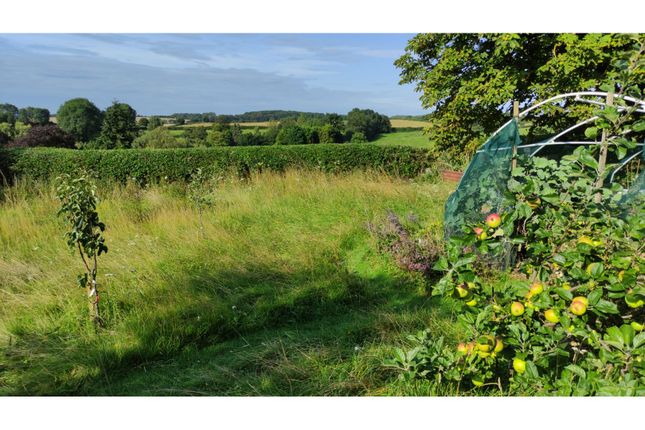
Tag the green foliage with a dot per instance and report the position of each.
(578, 259)
(358, 137)
(196, 136)
(291, 134)
(179, 164)
(33, 116)
(159, 137)
(13, 131)
(329, 133)
(466, 78)
(78, 206)
(8, 113)
(80, 118)
(119, 127)
(367, 122)
(154, 122)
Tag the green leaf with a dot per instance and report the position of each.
(628, 333)
(565, 294)
(606, 307)
(588, 160)
(577, 370)
(531, 370)
(594, 297)
(639, 340)
(638, 126)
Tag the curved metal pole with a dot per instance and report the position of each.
(573, 127)
(611, 178)
(579, 94)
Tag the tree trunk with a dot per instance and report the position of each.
(93, 302)
(602, 158)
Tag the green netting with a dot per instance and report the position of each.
(481, 189)
(634, 198)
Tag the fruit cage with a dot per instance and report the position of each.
(484, 183)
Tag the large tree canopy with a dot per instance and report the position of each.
(469, 80)
(119, 127)
(80, 118)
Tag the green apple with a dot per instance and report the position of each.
(637, 326)
(536, 288)
(517, 309)
(472, 303)
(519, 365)
(551, 315)
(499, 345)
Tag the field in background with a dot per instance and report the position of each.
(284, 293)
(408, 123)
(404, 138)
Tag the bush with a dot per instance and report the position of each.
(158, 137)
(179, 164)
(195, 136)
(291, 135)
(12, 131)
(358, 137)
(49, 135)
(329, 133)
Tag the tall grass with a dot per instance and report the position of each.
(283, 293)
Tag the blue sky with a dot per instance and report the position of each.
(222, 73)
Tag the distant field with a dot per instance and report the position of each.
(404, 138)
(407, 123)
(260, 124)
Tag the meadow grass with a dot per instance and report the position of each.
(281, 293)
(404, 138)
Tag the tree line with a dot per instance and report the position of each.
(255, 116)
(81, 124)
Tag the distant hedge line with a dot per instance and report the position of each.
(178, 164)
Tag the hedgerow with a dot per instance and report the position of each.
(178, 164)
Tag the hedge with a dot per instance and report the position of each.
(178, 164)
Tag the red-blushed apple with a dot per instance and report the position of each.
(493, 220)
(578, 308)
(536, 288)
(582, 299)
(481, 233)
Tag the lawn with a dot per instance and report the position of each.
(404, 138)
(281, 293)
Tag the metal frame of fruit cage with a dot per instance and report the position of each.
(583, 97)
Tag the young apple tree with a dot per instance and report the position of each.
(78, 206)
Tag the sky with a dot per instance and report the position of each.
(223, 73)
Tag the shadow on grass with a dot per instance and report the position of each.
(328, 310)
